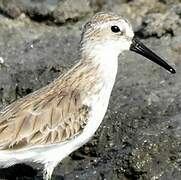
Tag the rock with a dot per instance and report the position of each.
(38, 8)
(135, 11)
(70, 10)
(159, 24)
(23, 45)
(54, 11)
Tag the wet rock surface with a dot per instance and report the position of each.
(140, 135)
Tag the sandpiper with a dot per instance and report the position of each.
(47, 125)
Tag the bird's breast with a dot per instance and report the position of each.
(98, 104)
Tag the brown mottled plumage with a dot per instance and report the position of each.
(50, 115)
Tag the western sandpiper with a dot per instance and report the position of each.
(47, 125)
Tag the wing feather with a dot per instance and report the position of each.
(46, 118)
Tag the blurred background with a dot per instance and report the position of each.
(140, 138)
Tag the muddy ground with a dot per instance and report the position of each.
(140, 137)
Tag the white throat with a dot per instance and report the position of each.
(107, 59)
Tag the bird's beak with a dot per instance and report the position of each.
(140, 48)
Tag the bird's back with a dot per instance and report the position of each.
(50, 115)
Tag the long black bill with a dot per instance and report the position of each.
(140, 48)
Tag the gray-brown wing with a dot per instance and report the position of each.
(42, 119)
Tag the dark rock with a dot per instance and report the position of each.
(19, 171)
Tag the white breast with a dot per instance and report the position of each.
(98, 104)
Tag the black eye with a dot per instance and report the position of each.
(115, 29)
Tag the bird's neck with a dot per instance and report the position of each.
(105, 58)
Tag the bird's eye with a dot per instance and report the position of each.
(115, 29)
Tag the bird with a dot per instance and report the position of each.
(47, 125)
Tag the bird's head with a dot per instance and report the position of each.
(112, 34)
